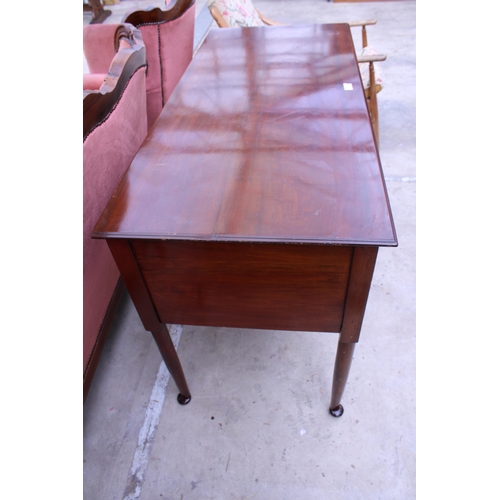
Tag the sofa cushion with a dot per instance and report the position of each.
(99, 46)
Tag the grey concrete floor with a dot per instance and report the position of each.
(258, 426)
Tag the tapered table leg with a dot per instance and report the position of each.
(169, 355)
(125, 259)
(343, 360)
(363, 264)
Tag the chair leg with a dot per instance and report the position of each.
(372, 103)
(97, 9)
(374, 116)
(364, 36)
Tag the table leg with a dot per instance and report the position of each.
(345, 351)
(358, 289)
(169, 355)
(125, 259)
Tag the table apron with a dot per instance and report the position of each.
(246, 285)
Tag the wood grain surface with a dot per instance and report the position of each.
(246, 285)
(262, 140)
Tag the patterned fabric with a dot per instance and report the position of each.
(237, 13)
(364, 69)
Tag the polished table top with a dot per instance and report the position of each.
(266, 138)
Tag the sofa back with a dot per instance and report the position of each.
(169, 39)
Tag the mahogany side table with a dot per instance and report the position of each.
(257, 200)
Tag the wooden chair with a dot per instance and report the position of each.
(242, 13)
(99, 14)
(169, 38)
(371, 73)
(114, 126)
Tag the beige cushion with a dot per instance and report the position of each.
(240, 13)
(364, 69)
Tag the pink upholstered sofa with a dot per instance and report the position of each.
(168, 36)
(114, 126)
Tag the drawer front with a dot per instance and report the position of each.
(274, 286)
